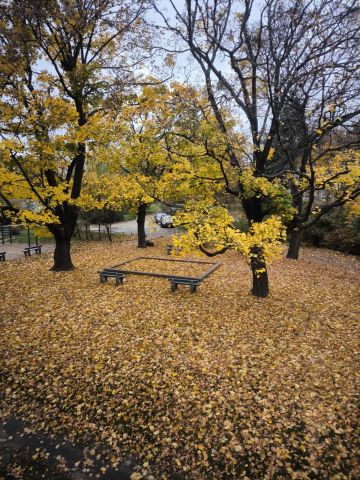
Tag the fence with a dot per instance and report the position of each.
(6, 234)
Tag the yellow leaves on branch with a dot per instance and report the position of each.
(41, 217)
(338, 173)
(211, 227)
(257, 186)
(269, 235)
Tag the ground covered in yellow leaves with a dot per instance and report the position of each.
(211, 385)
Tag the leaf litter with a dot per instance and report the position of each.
(217, 384)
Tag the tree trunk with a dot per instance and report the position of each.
(141, 214)
(294, 245)
(108, 231)
(260, 280)
(62, 257)
(260, 287)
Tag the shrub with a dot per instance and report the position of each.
(336, 230)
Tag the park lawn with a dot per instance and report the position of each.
(212, 385)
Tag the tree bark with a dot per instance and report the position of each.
(260, 280)
(260, 286)
(141, 214)
(294, 245)
(108, 231)
(62, 256)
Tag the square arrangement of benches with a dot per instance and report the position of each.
(2, 256)
(28, 250)
(175, 280)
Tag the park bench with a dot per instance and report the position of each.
(2, 256)
(175, 281)
(110, 273)
(36, 249)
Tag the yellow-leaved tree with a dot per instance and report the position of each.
(149, 156)
(258, 62)
(54, 86)
(218, 163)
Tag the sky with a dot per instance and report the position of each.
(186, 68)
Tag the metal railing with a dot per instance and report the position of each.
(6, 234)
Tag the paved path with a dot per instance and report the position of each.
(29, 455)
(130, 228)
(15, 250)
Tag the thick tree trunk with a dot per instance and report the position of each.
(62, 257)
(260, 287)
(62, 234)
(141, 214)
(260, 280)
(294, 244)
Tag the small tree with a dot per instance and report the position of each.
(143, 154)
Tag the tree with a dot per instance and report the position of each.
(149, 151)
(141, 156)
(50, 117)
(257, 61)
(326, 158)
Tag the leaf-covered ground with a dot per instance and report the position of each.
(169, 266)
(211, 385)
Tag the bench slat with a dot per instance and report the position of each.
(36, 248)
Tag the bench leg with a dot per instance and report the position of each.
(119, 280)
(174, 287)
(102, 278)
(192, 288)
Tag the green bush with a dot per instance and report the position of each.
(242, 224)
(336, 230)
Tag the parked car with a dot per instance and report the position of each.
(166, 221)
(158, 216)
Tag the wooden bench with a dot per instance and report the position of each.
(109, 273)
(175, 281)
(36, 249)
(2, 256)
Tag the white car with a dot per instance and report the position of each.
(166, 221)
(158, 216)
